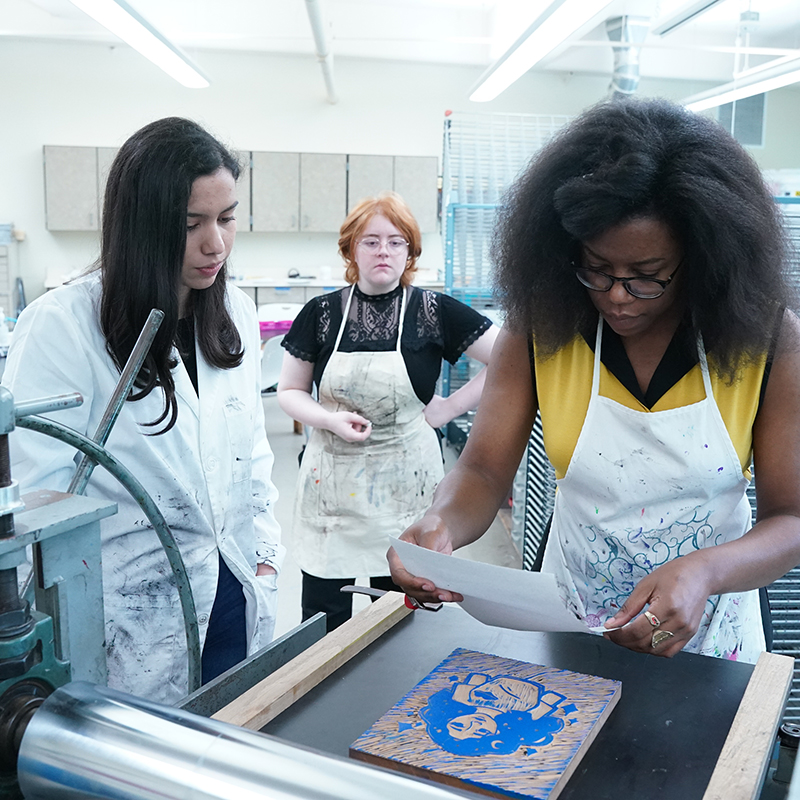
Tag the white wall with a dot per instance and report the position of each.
(88, 94)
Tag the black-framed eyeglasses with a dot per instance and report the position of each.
(643, 288)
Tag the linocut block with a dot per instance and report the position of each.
(492, 725)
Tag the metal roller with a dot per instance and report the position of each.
(87, 741)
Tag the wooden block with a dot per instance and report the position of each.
(492, 725)
(257, 706)
(743, 762)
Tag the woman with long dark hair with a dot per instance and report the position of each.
(642, 263)
(192, 430)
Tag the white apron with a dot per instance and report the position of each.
(641, 489)
(352, 495)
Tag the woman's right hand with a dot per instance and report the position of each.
(349, 426)
(430, 532)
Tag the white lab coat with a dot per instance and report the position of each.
(209, 476)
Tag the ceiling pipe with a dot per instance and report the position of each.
(324, 56)
(630, 32)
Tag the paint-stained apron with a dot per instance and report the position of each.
(643, 488)
(352, 495)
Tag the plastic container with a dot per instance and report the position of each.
(275, 319)
(274, 327)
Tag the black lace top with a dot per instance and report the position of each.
(436, 326)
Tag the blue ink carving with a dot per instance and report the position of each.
(492, 716)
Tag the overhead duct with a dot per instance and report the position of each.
(324, 56)
(630, 32)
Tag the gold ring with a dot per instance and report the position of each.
(659, 637)
(652, 619)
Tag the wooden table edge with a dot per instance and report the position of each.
(744, 758)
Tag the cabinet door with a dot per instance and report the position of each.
(416, 180)
(275, 191)
(243, 192)
(368, 176)
(70, 188)
(323, 191)
(105, 157)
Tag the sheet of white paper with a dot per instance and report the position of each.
(506, 598)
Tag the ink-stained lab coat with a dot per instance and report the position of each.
(209, 475)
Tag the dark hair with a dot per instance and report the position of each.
(142, 249)
(633, 158)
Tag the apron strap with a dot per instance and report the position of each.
(344, 318)
(402, 319)
(598, 344)
(701, 355)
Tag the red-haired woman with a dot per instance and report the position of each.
(374, 351)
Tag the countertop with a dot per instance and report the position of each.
(428, 281)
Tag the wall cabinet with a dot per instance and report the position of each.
(416, 181)
(368, 176)
(316, 191)
(275, 183)
(298, 191)
(414, 178)
(243, 219)
(70, 188)
(277, 192)
(105, 157)
(74, 185)
(323, 191)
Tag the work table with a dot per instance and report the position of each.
(664, 738)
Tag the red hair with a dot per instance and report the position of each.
(394, 208)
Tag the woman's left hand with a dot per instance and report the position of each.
(675, 596)
(437, 412)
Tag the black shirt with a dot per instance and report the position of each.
(436, 326)
(184, 341)
(679, 357)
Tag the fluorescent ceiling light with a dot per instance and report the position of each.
(125, 22)
(767, 79)
(554, 26)
(683, 15)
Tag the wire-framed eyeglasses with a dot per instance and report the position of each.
(394, 244)
(643, 288)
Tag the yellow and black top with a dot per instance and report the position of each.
(564, 381)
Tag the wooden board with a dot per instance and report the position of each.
(493, 725)
(256, 707)
(743, 762)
